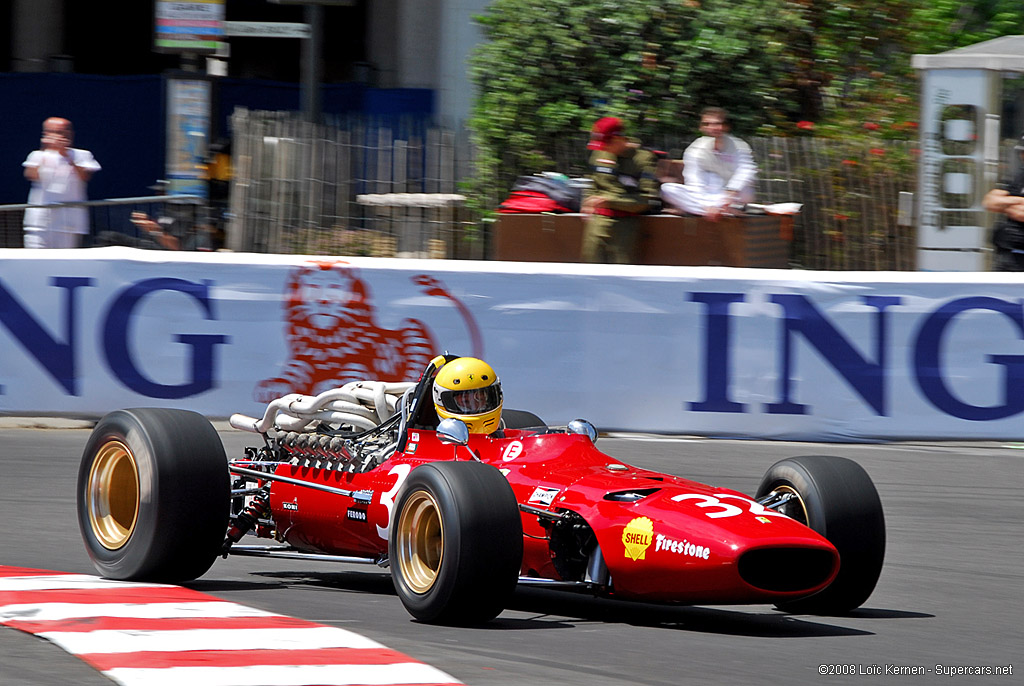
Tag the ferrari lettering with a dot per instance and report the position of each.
(681, 547)
(637, 538)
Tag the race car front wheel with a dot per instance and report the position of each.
(153, 493)
(456, 543)
(835, 497)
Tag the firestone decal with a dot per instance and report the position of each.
(683, 547)
(333, 337)
(637, 538)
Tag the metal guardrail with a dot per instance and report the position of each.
(110, 219)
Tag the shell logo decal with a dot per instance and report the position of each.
(637, 538)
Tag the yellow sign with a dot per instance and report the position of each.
(637, 537)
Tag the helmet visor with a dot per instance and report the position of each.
(472, 400)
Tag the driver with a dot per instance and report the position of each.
(467, 389)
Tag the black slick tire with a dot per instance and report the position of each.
(153, 495)
(836, 498)
(456, 543)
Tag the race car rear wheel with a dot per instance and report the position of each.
(456, 543)
(836, 498)
(153, 492)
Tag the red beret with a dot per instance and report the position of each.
(603, 130)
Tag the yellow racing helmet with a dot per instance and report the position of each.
(467, 389)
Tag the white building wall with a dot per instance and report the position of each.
(426, 44)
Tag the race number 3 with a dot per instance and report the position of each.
(717, 509)
(387, 499)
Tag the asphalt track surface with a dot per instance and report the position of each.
(950, 592)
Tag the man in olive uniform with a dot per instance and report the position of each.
(625, 186)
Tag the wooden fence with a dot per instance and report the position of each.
(297, 188)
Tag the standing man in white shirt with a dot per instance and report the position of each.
(718, 171)
(59, 173)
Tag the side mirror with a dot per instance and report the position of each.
(582, 426)
(453, 432)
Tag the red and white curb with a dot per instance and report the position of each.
(140, 634)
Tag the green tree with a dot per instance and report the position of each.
(941, 25)
(549, 68)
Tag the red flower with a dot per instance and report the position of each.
(841, 217)
(910, 124)
(877, 151)
(805, 125)
(871, 126)
(850, 163)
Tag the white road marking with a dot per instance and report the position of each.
(282, 675)
(67, 582)
(124, 641)
(292, 645)
(44, 612)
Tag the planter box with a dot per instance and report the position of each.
(754, 241)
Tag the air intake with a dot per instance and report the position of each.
(786, 569)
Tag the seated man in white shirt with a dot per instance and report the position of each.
(718, 170)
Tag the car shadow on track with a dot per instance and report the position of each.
(751, 621)
(377, 583)
(559, 609)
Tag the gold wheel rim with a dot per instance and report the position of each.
(420, 542)
(113, 494)
(790, 511)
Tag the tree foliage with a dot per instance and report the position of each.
(548, 68)
(941, 25)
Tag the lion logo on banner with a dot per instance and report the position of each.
(333, 339)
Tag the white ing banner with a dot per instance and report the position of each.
(705, 350)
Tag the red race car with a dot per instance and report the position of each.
(464, 501)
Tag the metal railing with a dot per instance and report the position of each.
(110, 219)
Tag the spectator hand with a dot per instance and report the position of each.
(1016, 212)
(592, 203)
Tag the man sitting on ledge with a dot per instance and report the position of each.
(718, 169)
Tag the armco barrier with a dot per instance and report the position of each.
(691, 350)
